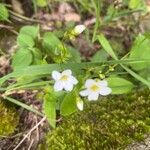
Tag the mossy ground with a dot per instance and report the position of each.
(8, 119)
(108, 124)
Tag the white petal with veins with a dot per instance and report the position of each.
(93, 96)
(105, 91)
(103, 83)
(67, 72)
(89, 82)
(58, 86)
(73, 80)
(56, 75)
(68, 86)
(84, 93)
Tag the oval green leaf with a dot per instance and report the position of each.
(21, 59)
(68, 105)
(119, 85)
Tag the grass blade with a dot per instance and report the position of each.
(105, 44)
(77, 68)
(23, 105)
(136, 76)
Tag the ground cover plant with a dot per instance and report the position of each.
(111, 123)
(72, 64)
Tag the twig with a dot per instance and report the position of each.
(26, 136)
(10, 28)
(30, 144)
(37, 130)
(25, 18)
(5, 26)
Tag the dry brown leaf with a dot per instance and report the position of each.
(50, 17)
(17, 7)
(4, 65)
(89, 22)
(72, 17)
(65, 8)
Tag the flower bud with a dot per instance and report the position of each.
(79, 29)
(79, 104)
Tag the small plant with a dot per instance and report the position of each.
(42, 59)
(9, 119)
(48, 63)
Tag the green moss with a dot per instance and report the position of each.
(8, 119)
(108, 124)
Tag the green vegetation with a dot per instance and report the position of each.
(8, 119)
(70, 52)
(3, 13)
(109, 124)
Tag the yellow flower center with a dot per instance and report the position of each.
(64, 78)
(94, 87)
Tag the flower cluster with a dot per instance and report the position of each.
(66, 81)
(92, 88)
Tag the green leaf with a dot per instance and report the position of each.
(51, 43)
(29, 108)
(137, 4)
(31, 31)
(136, 76)
(37, 56)
(140, 50)
(69, 105)
(25, 41)
(34, 85)
(49, 108)
(110, 51)
(100, 56)
(145, 73)
(119, 85)
(3, 13)
(41, 3)
(22, 58)
(105, 44)
(22, 80)
(75, 55)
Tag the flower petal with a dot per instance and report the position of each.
(84, 93)
(56, 75)
(105, 91)
(93, 96)
(58, 86)
(73, 80)
(67, 72)
(103, 83)
(89, 82)
(68, 86)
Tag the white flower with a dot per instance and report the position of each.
(80, 104)
(79, 29)
(64, 80)
(95, 88)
